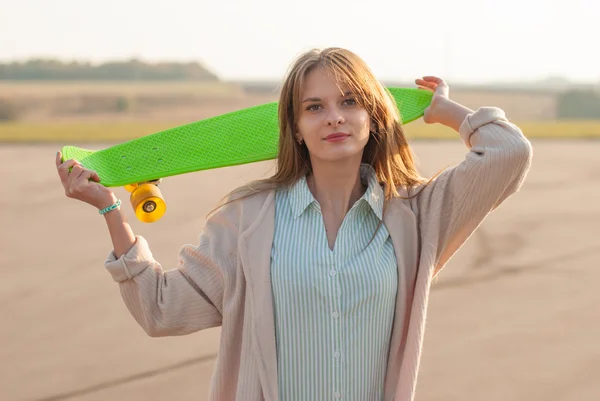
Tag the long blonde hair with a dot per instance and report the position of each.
(387, 149)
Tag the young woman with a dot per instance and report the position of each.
(319, 276)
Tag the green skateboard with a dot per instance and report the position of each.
(243, 136)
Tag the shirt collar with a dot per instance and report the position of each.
(301, 198)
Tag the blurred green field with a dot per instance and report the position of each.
(111, 132)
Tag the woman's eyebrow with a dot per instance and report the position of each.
(318, 99)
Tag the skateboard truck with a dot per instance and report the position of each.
(147, 200)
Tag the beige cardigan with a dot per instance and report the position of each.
(225, 280)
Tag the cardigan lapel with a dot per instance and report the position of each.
(400, 221)
(255, 253)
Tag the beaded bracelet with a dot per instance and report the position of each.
(111, 207)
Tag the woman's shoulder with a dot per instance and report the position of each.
(407, 197)
(407, 192)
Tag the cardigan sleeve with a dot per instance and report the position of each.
(182, 300)
(456, 202)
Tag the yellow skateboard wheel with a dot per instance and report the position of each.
(148, 203)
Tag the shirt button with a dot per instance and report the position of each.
(336, 355)
(337, 395)
(335, 315)
(332, 272)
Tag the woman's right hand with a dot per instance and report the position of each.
(83, 184)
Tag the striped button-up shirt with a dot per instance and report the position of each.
(333, 308)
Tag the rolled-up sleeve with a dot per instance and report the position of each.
(185, 299)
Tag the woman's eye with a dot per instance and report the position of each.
(313, 107)
(350, 101)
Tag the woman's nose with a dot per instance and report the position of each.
(334, 118)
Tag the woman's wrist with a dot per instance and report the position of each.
(107, 201)
(451, 113)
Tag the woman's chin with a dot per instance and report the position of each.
(338, 154)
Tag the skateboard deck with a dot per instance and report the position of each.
(243, 136)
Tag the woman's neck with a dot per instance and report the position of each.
(336, 186)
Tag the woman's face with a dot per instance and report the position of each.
(332, 124)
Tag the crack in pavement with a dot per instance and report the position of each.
(490, 246)
(514, 270)
(490, 249)
(485, 252)
(128, 379)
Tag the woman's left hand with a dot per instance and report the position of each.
(441, 92)
(442, 109)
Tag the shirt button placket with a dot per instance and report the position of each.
(336, 330)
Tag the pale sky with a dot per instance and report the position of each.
(460, 40)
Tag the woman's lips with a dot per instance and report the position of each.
(336, 137)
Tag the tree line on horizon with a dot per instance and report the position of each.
(132, 70)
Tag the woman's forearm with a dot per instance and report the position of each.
(120, 231)
(451, 113)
